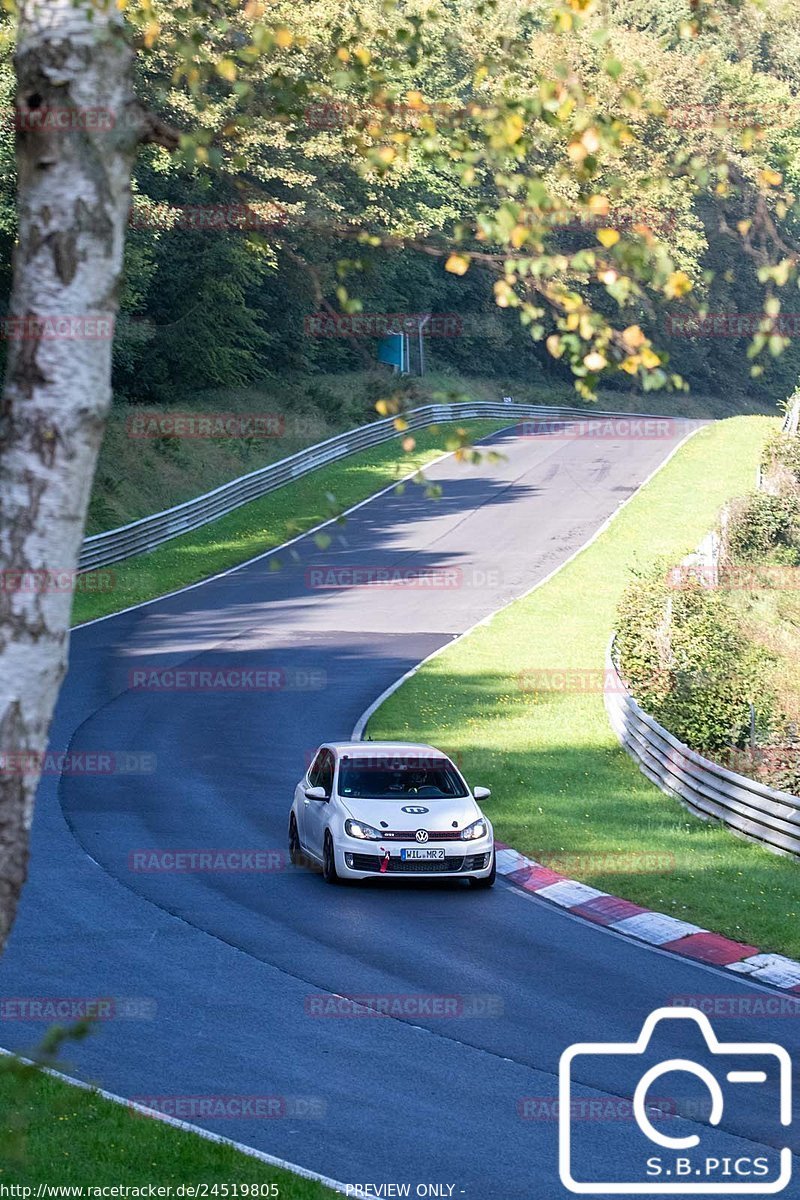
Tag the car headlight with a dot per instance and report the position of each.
(366, 833)
(477, 829)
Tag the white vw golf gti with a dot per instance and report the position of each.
(367, 809)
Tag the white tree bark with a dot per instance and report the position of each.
(74, 196)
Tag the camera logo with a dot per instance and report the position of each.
(719, 1079)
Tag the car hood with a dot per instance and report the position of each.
(389, 814)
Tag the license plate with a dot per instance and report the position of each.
(426, 855)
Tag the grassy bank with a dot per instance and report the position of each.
(138, 476)
(563, 790)
(62, 1135)
(268, 522)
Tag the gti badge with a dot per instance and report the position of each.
(421, 835)
(414, 808)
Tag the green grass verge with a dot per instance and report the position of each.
(268, 522)
(65, 1136)
(563, 789)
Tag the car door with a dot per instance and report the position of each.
(311, 779)
(315, 812)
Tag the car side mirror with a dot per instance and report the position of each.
(481, 793)
(316, 793)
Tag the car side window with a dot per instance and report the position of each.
(325, 775)
(314, 769)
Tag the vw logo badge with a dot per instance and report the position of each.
(415, 808)
(421, 835)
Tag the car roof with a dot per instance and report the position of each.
(385, 749)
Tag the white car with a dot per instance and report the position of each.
(367, 809)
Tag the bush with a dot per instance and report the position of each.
(781, 461)
(689, 665)
(761, 527)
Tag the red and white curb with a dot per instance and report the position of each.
(657, 929)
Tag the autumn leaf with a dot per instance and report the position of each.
(607, 237)
(457, 264)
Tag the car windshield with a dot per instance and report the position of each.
(399, 778)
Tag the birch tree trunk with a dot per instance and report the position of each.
(75, 81)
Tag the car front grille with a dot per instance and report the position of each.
(410, 835)
(396, 866)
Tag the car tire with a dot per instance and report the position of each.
(329, 873)
(296, 856)
(488, 880)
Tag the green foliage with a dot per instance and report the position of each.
(500, 161)
(689, 665)
(782, 460)
(763, 528)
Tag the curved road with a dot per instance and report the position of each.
(227, 965)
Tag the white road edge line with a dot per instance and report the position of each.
(361, 724)
(248, 562)
(270, 1159)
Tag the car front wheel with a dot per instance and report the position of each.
(488, 880)
(296, 856)
(329, 861)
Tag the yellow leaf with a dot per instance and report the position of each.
(595, 361)
(226, 68)
(633, 337)
(631, 364)
(553, 344)
(598, 205)
(650, 358)
(152, 30)
(607, 237)
(518, 236)
(677, 285)
(408, 444)
(400, 425)
(514, 127)
(343, 54)
(283, 38)
(769, 177)
(363, 55)
(457, 264)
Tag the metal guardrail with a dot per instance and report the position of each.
(146, 534)
(750, 809)
(791, 422)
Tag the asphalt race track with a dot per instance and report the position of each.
(222, 965)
